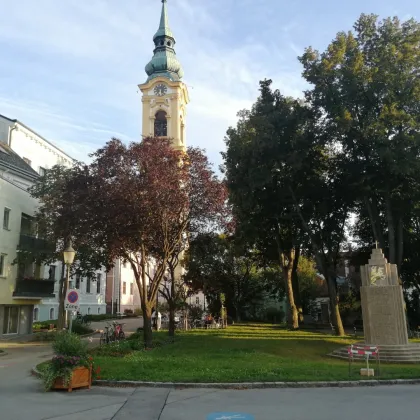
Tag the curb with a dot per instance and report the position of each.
(258, 385)
(249, 385)
(3, 353)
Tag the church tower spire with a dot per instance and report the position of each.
(164, 95)
(164, 62)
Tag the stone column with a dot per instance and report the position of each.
(383, 311)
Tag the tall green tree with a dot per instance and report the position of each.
(287, 186)
(367, 86)
(261, 151)
(222, 265)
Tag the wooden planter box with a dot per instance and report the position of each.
(81, 377)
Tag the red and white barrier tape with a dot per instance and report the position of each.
(365, 350)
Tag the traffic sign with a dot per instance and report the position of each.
(72, 301)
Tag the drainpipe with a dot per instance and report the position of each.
(9, 140)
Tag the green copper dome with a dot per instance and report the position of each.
(164, 62)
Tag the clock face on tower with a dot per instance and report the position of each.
(160, 89)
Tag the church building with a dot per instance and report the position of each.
(164, 109)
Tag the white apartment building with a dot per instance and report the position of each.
(30, 292)
(122, 292)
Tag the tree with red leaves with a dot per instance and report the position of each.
(142, 202)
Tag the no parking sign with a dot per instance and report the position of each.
(72, 301)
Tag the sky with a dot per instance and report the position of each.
(69, 69)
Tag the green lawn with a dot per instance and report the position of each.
(242, 353)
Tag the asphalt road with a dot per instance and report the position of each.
(22, 397)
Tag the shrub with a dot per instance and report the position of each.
(80, 329)
(129, 313)
(69, 352)
(45, 336)
(99, 317)
(69, 344)
(41, 325)
(136, 336)
(118, 348)
(138, 312)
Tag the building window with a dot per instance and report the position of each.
(161, 124)
(6, 218)
(77, 281)
(51, 272)
(88, 285)
(88, 311)
(197, 300)
(51, 313)
(131, 289)
(28, 161)
(42, 171)
(2, 265)
(124, 288)
(36, 314)
(98, 282)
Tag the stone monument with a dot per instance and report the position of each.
(383, 310)
(384, 320)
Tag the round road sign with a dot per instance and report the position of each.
(73, 297)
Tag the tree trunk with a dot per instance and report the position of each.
(334, 308)
(62, 290)
(147, 326)
(171, 320)
(295, 283)
(391, 230)
(287, 273)
(400, 243)
(237, 313)
(171, 303)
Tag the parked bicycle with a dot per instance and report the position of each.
(112, 332)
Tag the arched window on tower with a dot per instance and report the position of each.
(161, 124)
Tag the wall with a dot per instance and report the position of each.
(93, 300)
(4, 129)
(18, 201)
(128, 300)
(40, 152)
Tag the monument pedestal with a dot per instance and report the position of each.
(384, 320)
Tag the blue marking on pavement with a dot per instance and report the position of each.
(230, 416)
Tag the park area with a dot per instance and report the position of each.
(240, 353)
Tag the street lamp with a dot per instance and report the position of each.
(68, 256)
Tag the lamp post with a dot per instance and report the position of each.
(68, 256)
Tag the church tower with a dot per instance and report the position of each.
(164, 95)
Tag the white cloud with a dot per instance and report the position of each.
(74, 68)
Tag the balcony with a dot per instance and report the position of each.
(34, 289)
(32, 243)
